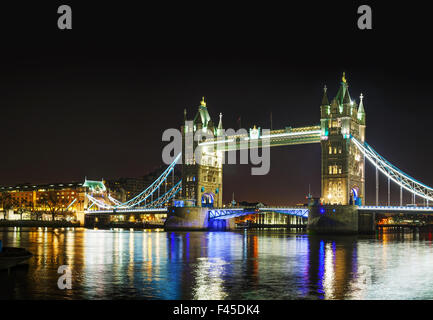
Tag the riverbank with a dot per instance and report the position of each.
(124, 225)
(38, 223)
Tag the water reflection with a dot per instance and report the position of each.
(261, 264)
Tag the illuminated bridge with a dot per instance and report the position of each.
(228, 213)
(341, 135)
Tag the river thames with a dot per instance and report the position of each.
(254, 264)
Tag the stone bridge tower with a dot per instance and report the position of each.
(201, 164)
(343, 165)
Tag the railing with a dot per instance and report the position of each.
(135, 210)
(227, 213)
(392, 172)
(395, 208)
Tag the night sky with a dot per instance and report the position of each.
(95, 100)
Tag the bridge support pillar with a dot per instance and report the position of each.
(195, 218)
(187, 218)
(340, 219)
(332, 219)
(221, 224)
(366, 222)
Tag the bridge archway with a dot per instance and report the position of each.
(354, 195)
(208, 199)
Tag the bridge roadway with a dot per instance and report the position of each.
(134, 210)
(396, 209)
(282, 137)
(228, 213)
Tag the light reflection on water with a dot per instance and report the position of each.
(261, 264)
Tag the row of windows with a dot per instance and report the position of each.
(334, 124)
(335, 169)
(333, 150)
(209, 179)
(190, 192)
(18, 194)
(206, 178)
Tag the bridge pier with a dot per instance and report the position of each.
(195, 218)
(339, 219)
(333, 219)
(221, 224)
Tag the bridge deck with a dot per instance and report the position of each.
(396, 209)
(283, 137)
(228, 213)
(120, 211)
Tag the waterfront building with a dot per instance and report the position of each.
(68, 201)
(43, 201)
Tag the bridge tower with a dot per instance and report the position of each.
(343, 165)
(201, 165)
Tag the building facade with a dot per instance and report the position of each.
(202, 169)
(343, 165)
(40, 201)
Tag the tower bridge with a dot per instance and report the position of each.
(196, 199)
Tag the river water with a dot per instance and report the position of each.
(254, 264)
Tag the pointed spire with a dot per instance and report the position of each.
(346, 95)
(325, 101)
(341, 94)
(202, 116)
(361, 111)
(197, 119)
(346, 98)
(184, 114)
(202, 102)
(210, 124)
(361, 104)
(219, 130)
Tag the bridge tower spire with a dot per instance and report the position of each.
(325, 101)
(361, 111)
(343, 180)
(219, 130)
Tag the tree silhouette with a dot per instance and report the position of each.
(53, 203)
(6, 202)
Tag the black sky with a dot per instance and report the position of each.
(94, 101)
